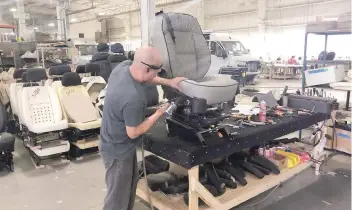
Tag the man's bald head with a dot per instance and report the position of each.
(148, 55)
(141, 68)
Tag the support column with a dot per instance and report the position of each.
(262, 27)
(59, 18)
(200, 14)
(147, 20)
(22, 29)
(128, 30)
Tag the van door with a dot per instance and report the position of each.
(216, 60)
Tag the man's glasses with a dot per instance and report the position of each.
(153, 66)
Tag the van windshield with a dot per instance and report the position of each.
(234, 46)
(87, 49)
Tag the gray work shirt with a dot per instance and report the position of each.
(124, 105)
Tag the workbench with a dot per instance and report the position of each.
(191, 154)
(284, 71)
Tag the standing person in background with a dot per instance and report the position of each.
(293, 60)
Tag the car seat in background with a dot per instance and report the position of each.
(180, 40)
(6, 80)
(93, 83)
(83, 120)
(81, 71)
(7, 143)
(55, 73)
(118, 55)
(101, 58)
(42, 118)
(13, 90)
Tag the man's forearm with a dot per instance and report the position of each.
(148, 123)
(160, 81)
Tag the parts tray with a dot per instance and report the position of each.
(189, 154)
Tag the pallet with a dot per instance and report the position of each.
(232, 197)
(85, 144)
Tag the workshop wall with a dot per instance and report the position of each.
(88, 28)
(282, 23)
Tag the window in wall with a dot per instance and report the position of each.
(81, 35)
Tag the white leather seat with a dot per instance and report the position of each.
(76, 103)
(40, 111)
(14, 89)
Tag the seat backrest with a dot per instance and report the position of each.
(75, 101)
(14, 89)
(116, 59)
(102, 60)
(180, 40)
(39, 104)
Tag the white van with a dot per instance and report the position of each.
(83, 50)
(229, 56)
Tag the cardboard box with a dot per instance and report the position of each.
(342, 142)
(324, 75)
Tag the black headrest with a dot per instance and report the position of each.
(117, 58)
(80, 69)
(24, 77)
(36, 74)
(101, 56)
(70, 79)
(17, 74)
(59, 70)
(92, 68)
(103, 47)
(117, 48)
(30, 84)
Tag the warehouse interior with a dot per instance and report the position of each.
(259, 118)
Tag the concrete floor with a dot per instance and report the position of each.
(80, 185)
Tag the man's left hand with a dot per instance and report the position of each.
(175, 82)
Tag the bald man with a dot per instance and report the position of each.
(124, 123)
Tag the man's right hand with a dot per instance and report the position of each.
(163, 108)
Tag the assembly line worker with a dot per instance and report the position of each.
(123, 124)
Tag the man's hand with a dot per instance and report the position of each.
(175, 82)
(163, 108)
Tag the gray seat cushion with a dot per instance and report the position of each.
(180, 40)
(7, 142)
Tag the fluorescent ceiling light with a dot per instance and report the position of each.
(73, 20)
(35, 28)
(13, 9)
(101, 13)
(51, 24)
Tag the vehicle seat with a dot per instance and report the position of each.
(93, 83)
(118, 55)
(101, 58)
(6, 80)
(41, 110)
(76, 103)
(180, 40)
(56, 72)
(81, 71)
(14, 89)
